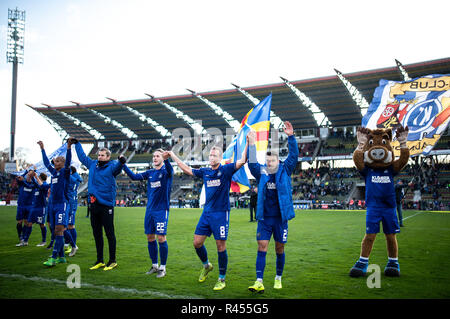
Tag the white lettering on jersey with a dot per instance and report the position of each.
(27, 189)
(213, 183)
(381, 179)
(155, 184)
(271, 185)
(54, 180)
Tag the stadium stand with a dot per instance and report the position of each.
(321, 185)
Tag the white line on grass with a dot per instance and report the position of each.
(104, 288)
(412, 215)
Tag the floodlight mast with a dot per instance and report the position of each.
(14, 55)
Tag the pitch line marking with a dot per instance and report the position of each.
(412, 215)
(104, 288)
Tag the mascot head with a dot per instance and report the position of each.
(378, 152)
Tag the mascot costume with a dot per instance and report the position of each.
(375, 160)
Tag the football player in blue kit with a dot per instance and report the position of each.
(215, 217)
(58, 192)
(159, 185)
(274, 205)
(72, 194)
(24, 203)
(39, 206)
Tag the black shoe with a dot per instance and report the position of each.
(392, 269)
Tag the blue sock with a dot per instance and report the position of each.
(59, 244)
(61, 250)
(223, 263)
(260, 264)
(163, 252)
(73, 233)
(280, 264)
(202, 254)
(27, 232)
(52, 234)
(44, 233)
(153, 251)
(68, 237)
(19, 228)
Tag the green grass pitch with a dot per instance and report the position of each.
(322, 246)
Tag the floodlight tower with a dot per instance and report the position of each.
(14, 54)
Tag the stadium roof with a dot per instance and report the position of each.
(328, 93)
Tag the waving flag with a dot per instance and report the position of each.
(258, 120)
(422, 104)
(61, 151)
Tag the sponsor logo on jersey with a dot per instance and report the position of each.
(381, 179)
(155, 184)
(213, 183)
(271, 185)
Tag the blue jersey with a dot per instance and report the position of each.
(60, 179)
(40, 195)
(25, 193)
(271, 205)
(217, 184)
(159, 185)
(379, 187)
(72, 189)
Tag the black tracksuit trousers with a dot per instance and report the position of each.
(103, 217)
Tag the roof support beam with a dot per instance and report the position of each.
(231, 121)
(359, 99)
(124, 130)
(320, 117)
(61, 132)
(195, 125)
(276, 121)
(402, 71)
(145, 119)
(96, 134)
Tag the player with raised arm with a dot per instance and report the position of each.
(215, 216)
(39, 206)
(60, 173)
(159, 185)
(23, 205)
(274, 205)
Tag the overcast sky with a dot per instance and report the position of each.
(87, 50)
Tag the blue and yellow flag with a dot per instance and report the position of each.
(258, 120)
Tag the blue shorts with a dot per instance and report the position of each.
(71, 211)
(58, 213)
(216, 223)
(272, 226)
(23, 212)
(387, 216)
(156, 222)
(37, 215)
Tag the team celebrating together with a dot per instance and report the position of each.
(56, 200)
